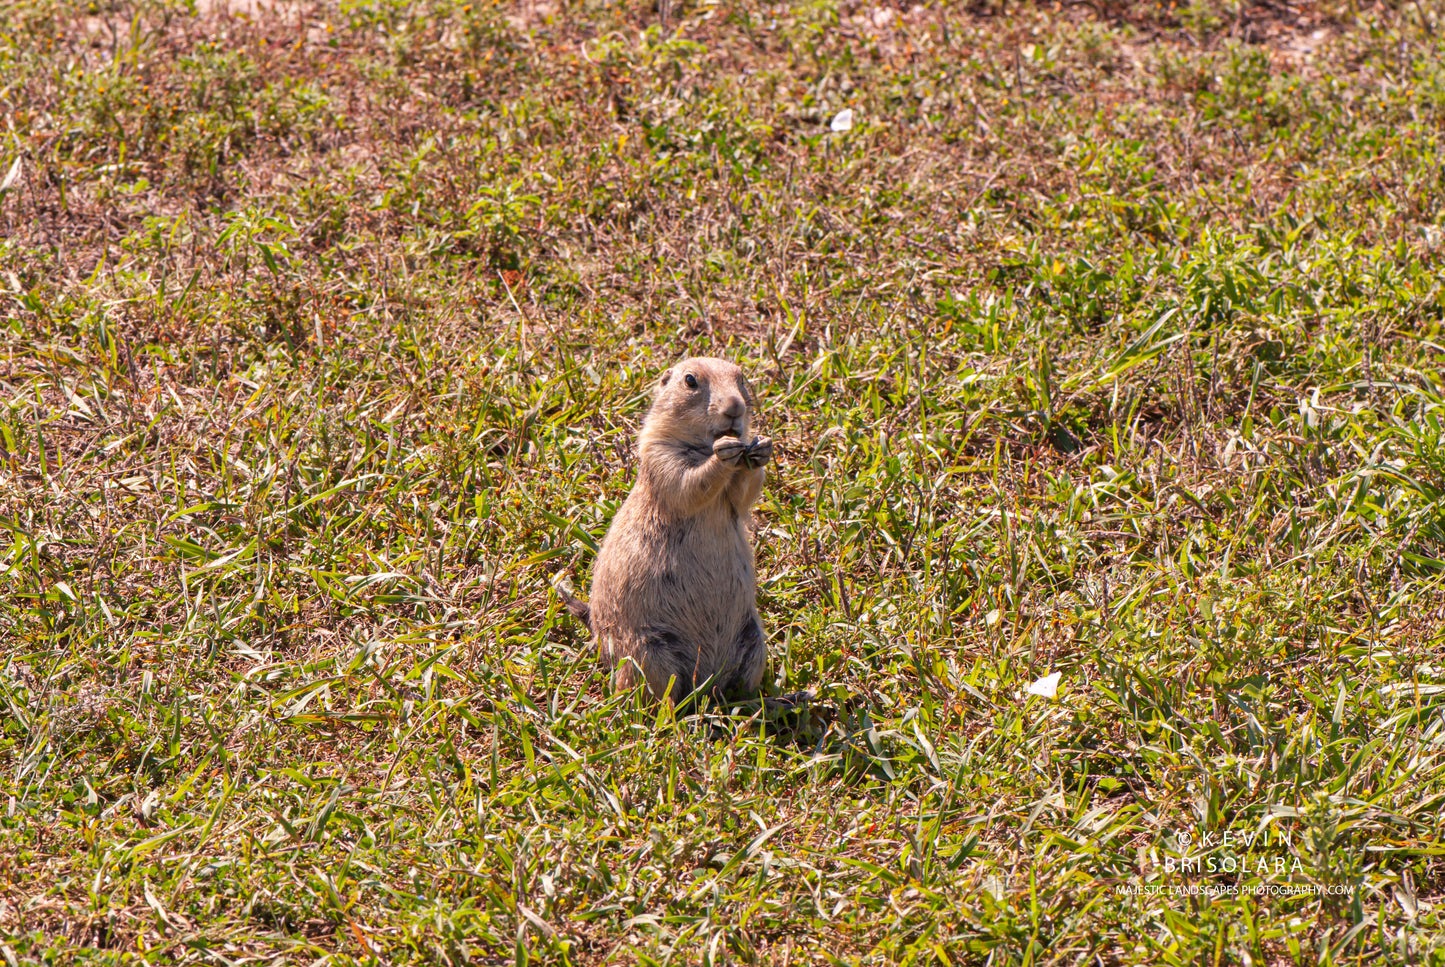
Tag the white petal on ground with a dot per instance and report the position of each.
(843, 120)
(1047, 686)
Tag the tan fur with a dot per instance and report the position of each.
(674, 593)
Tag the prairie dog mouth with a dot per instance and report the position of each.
(729, 430)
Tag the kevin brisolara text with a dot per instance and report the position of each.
(1258, 864)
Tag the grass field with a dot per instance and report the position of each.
(1105, 342)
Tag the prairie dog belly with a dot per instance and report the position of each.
(710, 564)
(693, 579)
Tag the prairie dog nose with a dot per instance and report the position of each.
(735, 408)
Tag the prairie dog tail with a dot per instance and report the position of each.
(580, 609)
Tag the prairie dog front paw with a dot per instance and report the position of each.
(729, 449)
(758, 453)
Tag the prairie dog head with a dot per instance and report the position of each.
(699, 400)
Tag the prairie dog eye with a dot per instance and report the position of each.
(690, 380)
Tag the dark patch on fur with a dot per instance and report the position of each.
(677, 656)
(698, 455)
(750, 640)
(747, 648)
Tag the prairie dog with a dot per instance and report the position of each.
(674, 592)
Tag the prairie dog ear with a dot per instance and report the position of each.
(665, 377)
